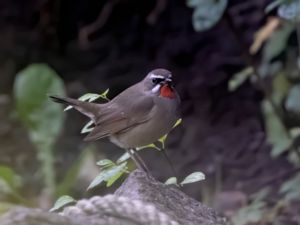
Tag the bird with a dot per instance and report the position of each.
(136, 117)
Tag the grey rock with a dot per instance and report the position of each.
(141, 200)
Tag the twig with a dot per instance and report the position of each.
(155, 13)
(102, 18)
(298, 38)
(169, 162)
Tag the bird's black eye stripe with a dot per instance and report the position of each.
(157, 80)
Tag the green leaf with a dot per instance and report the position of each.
(171, 180)
(239, 78)
(293, 158)
(5, 188)
(7, 174)
(88, 127)
(251, 214)
(9, 185)
(62, 202)
(295, 132)
(292, 103)
(280, 88)
(104, 94)
(123, 157)
(206, 12)
(273, 5)
(90, 97)
(193, 177)
(291, 188)
(275, 130)
(178, 122)
(277, 42)
(42, 118)
(107, 174)
(290, 10)
(114, 178)
(261, 194)
(105, 162)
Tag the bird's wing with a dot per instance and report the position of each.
(122, 114)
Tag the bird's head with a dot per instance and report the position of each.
(159, 82)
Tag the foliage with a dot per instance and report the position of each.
(254, 212)
(239, 78)
(251, 214)
(292, 103)
(42, 119)
(278, 77)
(62, 202)
(10, 194)
(291, 188)
(283, 90)
(191, 178)
(277, 42)
(206, 12)
(10, 183)
(290, 10)
(110, 173)
(276, 135)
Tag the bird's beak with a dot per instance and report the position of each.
(168, 81)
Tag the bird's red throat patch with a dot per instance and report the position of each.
(167, 91)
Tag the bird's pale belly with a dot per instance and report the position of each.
(144, 134)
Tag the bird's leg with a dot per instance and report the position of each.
(136, 161)
(141, 161)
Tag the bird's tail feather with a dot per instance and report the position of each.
(64, 100)
(87, 108)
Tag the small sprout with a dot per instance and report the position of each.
(193, 177)
(105, 163)
(114, 178)
(163, 139)
(239, 78)
(178, 122)
(62, 202)
(171, 180)
(90, 97)
(273, 5)
(111, 172)
(295, 132)
(123, 157)
(104, 94)
(148, 146)
(88, 127)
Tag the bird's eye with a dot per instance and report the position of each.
(157, 80)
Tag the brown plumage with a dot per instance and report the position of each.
(138, 116)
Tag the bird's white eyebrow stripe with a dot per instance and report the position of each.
(156, 76)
